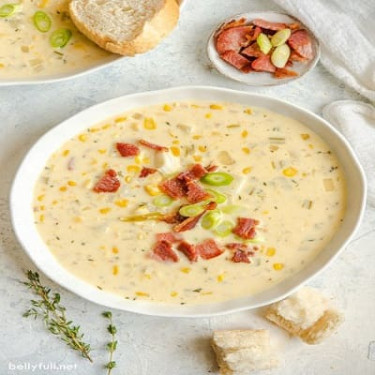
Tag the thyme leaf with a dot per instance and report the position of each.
(112, 345)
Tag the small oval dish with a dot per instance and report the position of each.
(263, 48)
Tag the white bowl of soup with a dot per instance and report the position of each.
(40, 44)
(189, 201)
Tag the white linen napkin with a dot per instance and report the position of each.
(346, 32)
(356, 120)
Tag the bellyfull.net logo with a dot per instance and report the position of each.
(39, 366)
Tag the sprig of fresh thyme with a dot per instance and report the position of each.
(112, 345)
(53, 314)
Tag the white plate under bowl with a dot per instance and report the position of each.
(261, 78)
(105, 62)
(21, 200)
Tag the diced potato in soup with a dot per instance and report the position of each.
(142, 207)
(38, 39)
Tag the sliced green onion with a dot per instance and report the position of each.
(8, 9)
(280, 56)
(191, 210)
(211, 219)
(217, 197)
(224, 228)
(280, 37)
(264, 43)
(217, 179)
(60, 38)
(42, 21)
(230, 209)
(162, 201)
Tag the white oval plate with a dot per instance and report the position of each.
(105, 62)
(260, 78)
(21, 199)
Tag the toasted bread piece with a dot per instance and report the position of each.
(125, 27)
(243, 351)
(306, 314)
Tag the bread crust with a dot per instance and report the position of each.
(154, 31)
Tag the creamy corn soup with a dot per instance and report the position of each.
(39, 39)
(190, 202)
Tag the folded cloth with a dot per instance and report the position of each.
(356, 121)
(346, 32)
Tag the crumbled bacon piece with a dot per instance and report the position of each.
(153, 146)
(240, 256)
(163, 250)
(127, 149)
(232, 39)
(147, 171)
(208, 249)
(174, 187)
(269, 25)
(174, 218)
(109, 183)
(252, 50)
(252, 35)
(236, 246)
(188, 223)
(168, 236)
(263, 64)
(300, 41)
(210, 206)
(196, 172)
(245, 228)
(195, 193)
(211, 168)
(284, 73)
(235, 59)
(189, 250)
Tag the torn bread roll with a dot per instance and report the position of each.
(241, 352)
(125, 27)
(306, 314)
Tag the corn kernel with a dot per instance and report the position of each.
(2, 65)
(197, 158)
(246, 150)
(43, 3)
(167, 108)
(176, 142)
(146, 160)
(270, 252)
(102, 151)
(106, 126)
(247, 170)
(142, 294)
(290, 172)
(216, 106)
(220, 278)
(206, 293)
(149, 123)
(120, 119)
(248, 111)
(305, 136)
(133, 168)
(121, 202)
(174, 294)
(40, 197)
(185, 269)
(175, 151)
(197, 136)
(115, 250)
(115, 270)
(72, 183)
(311, 146)
(82, 137)
(63, 188)
(208, 115)
(147, 276)
(41, 218)
(152, 190)
(77, 219)
(202, 148)
(265, 212)
(104, 210)
(195, 106)
(278, 266)
(128, 179)
(65, 152)
(94, 130)
(42, 207)
(244, 133)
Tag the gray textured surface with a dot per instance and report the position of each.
(150, 345)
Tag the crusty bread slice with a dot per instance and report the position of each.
(306, 314)
(241, 352)
(125, 27)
